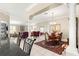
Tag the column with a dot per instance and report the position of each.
(29, 31)
(71, 49)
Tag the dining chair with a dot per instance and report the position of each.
(28, 43)
(21, 36)
(46, 36)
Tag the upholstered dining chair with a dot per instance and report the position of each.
(28, 43)
(21, 36)
(46, 36)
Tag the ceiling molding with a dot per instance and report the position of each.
(42, 8)
(4, 12)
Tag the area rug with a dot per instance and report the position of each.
(57, 49)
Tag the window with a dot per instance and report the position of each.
(12, 29)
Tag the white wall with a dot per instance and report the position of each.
(63, 21)
(60, 17)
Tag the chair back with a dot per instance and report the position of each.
(46, 36)
(35, 33)
(28, 43)
(22, 35)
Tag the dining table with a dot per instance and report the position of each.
(11, 49)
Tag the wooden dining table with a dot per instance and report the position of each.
(11, 49)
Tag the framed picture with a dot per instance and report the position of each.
(56, 27)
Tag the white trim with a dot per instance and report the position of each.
(30, 7)
(4, 12)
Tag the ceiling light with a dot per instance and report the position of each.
(51, 23)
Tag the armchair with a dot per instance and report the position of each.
(53, 39)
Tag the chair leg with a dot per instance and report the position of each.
(24, 43)
(18, 41)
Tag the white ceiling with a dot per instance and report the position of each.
(16, 11)
(49, 15)
(53, 13)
